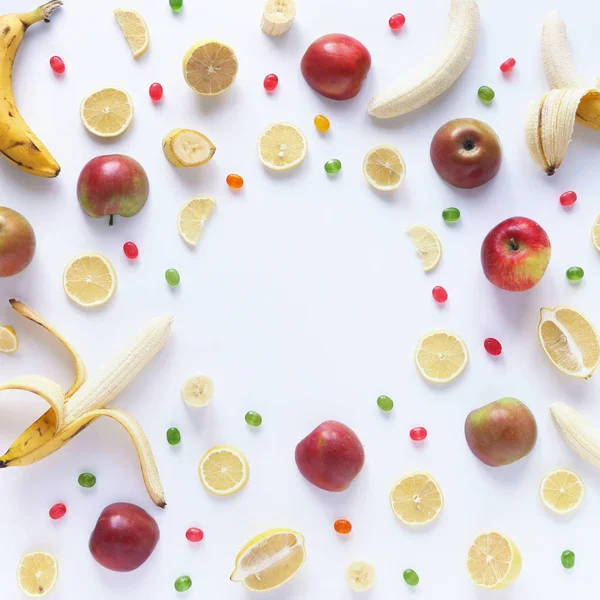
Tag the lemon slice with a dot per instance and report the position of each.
(596, 233)
(134, 29)
(210, 67)
(107, 112)
(384, 168)
(269, 560)
(493, 562)
(198, 391)
(562, 491)
(8, 340)
(187, 148)
(281, 146)
(427, 245)
(416, 499)
(569, 341)
(37, 574)
(90, 279)
(223, 470)
(441, 356)
(192, 217)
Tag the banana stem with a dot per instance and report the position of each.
(42, 13)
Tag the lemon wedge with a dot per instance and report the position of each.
(107, 112)
(417, 499)
(427, 245)
(281, 146)
(596, 233)
(8, 340)
(384, 168)
(562, 491)
(187, 148)
(192, 217)
(493, 562)
(223, 470)
(210, 67)
(134, 29)
(37, 574)
(441, 356)
(90, 279)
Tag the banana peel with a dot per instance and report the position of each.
(71, 412)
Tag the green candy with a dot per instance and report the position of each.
(575, 274)
(253, 418)
(486, 94)
(410, 577)
(451, 215)
(173, 436)
(183, 583)
(567, 558)
(385, 403)
(176, 5)
(172, 277)
(333, 166)
(87, 480)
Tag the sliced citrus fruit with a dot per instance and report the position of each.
(493, 562)
(8, 340)
(562, 491)
(384, 168)
(223, 470)
(210, 67)
(416, 499)
(107, 112)
(427, 245)
(569, 341)
(134, 29)
(198, 391)
(596, 233)
(90, 279)
(281, 146)
(37, 574)
(270, 559)
(187, 148)
(441, 356)
(192, 217)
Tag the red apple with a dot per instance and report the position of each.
(466, 153)
(515, 254)
(112, 185)
(124, 537)
(17, 242)
(335, 66)
(331, 456)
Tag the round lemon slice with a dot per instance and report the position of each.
(427, 245)
(596, 233)
(223, 470)
(37, 574)
(134, 29)
(192, 217)
(198, 391)
(90, 279)
(269, 560)
(8, 340)
(493, 562)
(441, 356)
(360, 576)
(384, 168)
(107, 112)
(562, 491)
(187, 148)
(210, 67)
(569, 341)
(281, 146)
(417, 499)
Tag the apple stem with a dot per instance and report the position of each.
(110, 221)
(514, 246)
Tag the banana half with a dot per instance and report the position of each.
(577, 432)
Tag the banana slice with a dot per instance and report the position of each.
(198, 391)
(278, 16)
(577, 432)
(187, 148)
(360, 576)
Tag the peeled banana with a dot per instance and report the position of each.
(72, 412)
(360, 576)
(278, 16)
(577, 432)
(18, 144)
(441, 72)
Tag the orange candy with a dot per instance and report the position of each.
(322, 123)
(342, 526)
(235, 182)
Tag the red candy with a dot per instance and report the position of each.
(508, 65)
(156, 92)
(397, 21)
(440, 295)
(492, 346)
(342, 526)
(58, 511)
(57, 65)
(195, 535)
(568, 198)
(418, 434)
(271, 82)
(131, 250)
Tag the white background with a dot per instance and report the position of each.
(304, 301)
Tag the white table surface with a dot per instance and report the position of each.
(303, 301)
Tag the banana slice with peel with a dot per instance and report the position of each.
(577, 432)
(187, 148)
(448, 64)
(71, 413)
(198, 391)
(278, 16)
(360, 576)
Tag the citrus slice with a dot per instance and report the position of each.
(441, 356)
(192, 217)
(596, 233)
(416, 499)
(384, 168)
(90, 279)
(427, 245)
(107, 112)
(569, 341)
(210, 67)
(493, 562)
(198, 391)
(281, 146)
(134, 29)
(223, 470)
(269, 560)
(8, 340)
(562, 491)
(187, 148)
(37, 574)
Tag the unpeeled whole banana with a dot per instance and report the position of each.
(18, 144)
(577, 432)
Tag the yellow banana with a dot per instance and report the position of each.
(18, 144)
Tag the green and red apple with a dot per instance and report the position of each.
(17, 242)
(515, 254)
